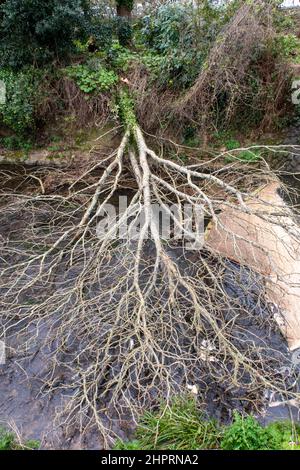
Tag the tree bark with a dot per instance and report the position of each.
(123, 11)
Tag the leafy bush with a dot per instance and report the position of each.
(99, 26)
(163, 32)
(90, 80)
(285, 435)
(288, 45)
(16, 143)
(183, 35)
(120, 57)
(22, 95)
(38, 31)
(247, 434)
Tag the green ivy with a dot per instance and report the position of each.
(288, 46)
(91, 81)
(124, 109)
(124, 30)
(34, 32)
(22, 95)
(120, 57)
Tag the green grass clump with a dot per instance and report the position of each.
(8, 442)
(181, 426)
(232, 144)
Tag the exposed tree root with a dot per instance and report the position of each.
(129, 321)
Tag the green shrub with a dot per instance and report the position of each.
(38, 31)
(16, 143)
(184, 34)
(287, 45)
(120, 57)
(285, 435)
(245, 433)
(22, 96)
(172, 32)
(90, 80)
(99, 26)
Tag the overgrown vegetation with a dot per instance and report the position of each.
(37, 32)
(92, 79)
(23, 97)
(170, 49)
(182, 426)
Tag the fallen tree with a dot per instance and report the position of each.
(140, 318)
(131, 316)
(268, 248)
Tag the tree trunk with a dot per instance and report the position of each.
(123, 11)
